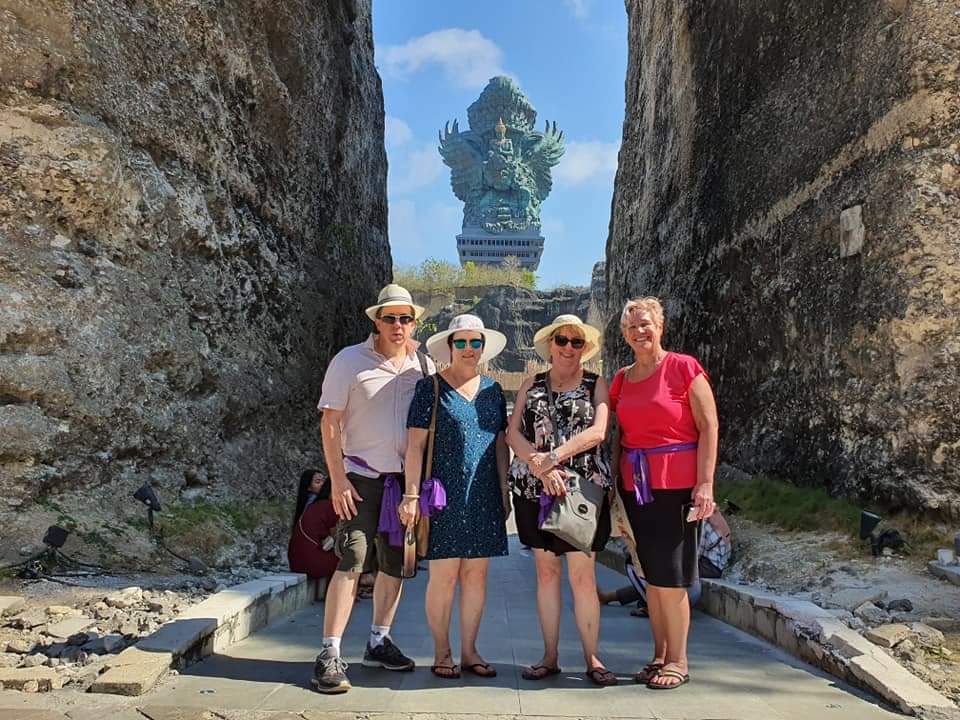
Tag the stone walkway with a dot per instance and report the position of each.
(266, 675)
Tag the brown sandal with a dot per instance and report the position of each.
(647, 673)
(601, 676)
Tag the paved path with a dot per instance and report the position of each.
(733, 675)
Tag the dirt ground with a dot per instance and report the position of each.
(834, 572)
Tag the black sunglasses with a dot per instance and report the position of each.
(475, 343)
(562, 340)
(391, 319)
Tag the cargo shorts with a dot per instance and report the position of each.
(358, 544)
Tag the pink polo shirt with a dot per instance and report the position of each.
(374, 396)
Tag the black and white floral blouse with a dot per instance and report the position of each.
(575, 413)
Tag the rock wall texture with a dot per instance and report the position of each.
(192, 217)
(516, 312)
(789, 183)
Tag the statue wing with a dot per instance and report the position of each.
(542, 151)
(461, 153)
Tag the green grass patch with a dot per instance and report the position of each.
(240, 517)
(771, 501)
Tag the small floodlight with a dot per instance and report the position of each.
(148, 496)
(868, 522)
(55, 536)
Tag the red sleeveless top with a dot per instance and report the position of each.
(656, 412)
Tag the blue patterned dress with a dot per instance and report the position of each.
(465, 461)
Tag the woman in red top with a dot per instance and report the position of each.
(666, 452)
(314, 521)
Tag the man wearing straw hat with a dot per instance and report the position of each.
(366, 394)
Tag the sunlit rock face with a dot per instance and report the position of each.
(192, 219)
(788, 184)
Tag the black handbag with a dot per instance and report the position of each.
(573, 517)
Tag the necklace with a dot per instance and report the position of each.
(638, 373)
(564, 384)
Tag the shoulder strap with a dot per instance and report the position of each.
(424, 367)
(432, 432)
(553, 411)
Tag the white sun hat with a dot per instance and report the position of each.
(494, 341)
(541, 339)
(394, 296)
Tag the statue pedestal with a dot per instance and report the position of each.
(478, 246)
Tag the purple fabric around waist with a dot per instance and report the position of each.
(433, 499)
(641, 468)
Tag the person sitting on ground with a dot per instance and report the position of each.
(310, 549)
(714, 557)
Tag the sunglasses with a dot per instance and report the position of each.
(562, 340)
(391, 319)
(476, 344)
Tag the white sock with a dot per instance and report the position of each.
(332, 644)
(377, 634)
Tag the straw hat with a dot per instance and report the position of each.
(494, 341)
(541, 339)
(394, 296)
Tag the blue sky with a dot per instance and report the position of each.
(569, 57)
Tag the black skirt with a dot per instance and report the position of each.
(528, 514)
(666, 542)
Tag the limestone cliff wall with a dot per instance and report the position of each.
(192, 217)
(788, 183)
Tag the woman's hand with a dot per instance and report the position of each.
(407, 510)
(703, 504)
(540, 463)
(507, 504)
(554, 482)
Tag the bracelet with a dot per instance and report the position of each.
(410, 497)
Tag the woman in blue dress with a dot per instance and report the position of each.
(470, 459)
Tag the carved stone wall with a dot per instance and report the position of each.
(789, 183)
(192, 218)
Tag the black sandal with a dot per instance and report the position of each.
(447, 672)
(539, 672)
(481, 669)
(601, 676)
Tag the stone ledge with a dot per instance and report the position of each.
(216, 623)
(818, 637)
(950, 573)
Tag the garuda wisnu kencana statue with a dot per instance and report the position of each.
(500, 167)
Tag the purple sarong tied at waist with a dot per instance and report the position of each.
(641, 468)
(433, 499)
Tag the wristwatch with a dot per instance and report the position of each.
(554, 458)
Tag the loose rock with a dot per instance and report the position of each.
(887, 635)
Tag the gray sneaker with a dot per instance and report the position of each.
(330, 674)
(387, 656)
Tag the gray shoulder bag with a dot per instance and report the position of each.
(573, 517)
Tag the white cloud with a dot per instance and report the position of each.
(416, 168)
(467, 57)
(579, 8)
(396, 131)
(585, 162)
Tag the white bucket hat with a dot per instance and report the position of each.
(541, 339)
(394, 296)
(494, 341)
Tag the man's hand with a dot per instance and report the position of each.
(344, 496)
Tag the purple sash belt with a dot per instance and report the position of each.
(641, 468)
(433, 499)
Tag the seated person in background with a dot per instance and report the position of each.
(310, 549)
(714, 553)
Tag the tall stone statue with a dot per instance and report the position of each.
(500, 169)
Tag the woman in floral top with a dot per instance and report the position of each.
(580, 400)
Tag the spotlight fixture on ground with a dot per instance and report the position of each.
(148, 496)
(868, 523)
(55, 537)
